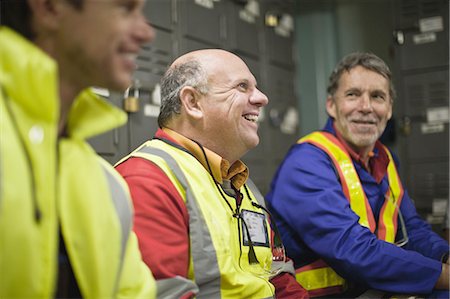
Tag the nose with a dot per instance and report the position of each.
(258, 98)
(365, 104)
(144, 32)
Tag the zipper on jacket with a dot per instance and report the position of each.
(36, 209)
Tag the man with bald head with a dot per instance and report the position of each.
(201, 225)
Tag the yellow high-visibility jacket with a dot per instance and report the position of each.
(49, 185)
(219, 256)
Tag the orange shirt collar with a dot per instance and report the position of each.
(219, 168)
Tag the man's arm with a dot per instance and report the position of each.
(160, 223)
(421, 236)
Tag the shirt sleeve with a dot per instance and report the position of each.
(315, 220)
(161, 219)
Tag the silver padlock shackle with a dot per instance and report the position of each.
(135, 88)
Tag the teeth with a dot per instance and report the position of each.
(251, 117)
(131, 56)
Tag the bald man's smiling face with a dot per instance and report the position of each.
(232, 105)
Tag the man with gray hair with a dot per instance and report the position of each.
(343, 212)
(201, 224)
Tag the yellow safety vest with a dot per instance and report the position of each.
(50, 184)
(219, 263)
(318, 278)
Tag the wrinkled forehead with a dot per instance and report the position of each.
(359, 73)
(228, 69)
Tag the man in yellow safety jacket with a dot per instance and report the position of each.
(65, 214)
(200, 225)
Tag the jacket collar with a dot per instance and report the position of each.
(220, 168)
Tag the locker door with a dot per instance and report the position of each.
(153, 61)
(243, 31)
(423, 90)
(159, 13)
(201, 24)
(282, 100)
(421, 29)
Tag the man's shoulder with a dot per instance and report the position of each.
(137, 166)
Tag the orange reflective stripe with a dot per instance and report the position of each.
(348, 175)
(339, 170)
(389, 212)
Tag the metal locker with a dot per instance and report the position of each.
(428, 141)
(278, 33)
(280, 90)
(202, 20)
(421, 29)
(279, 48)
(422, 46)
(159, 13)
(188, 45)
(425, 90)
(429, 182)
(153, 61)
(243, 24)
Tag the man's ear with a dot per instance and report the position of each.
(390, 110)
(189, 98)
(46, 14)
(331, 107)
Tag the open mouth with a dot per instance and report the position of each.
(364, 122)
(130, 58)
(251, 117)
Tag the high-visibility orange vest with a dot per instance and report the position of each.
(318, 278)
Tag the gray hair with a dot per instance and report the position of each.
(189, 73)
(367, 60)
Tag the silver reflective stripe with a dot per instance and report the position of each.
(285, 266)
(176, 287)
(259, 197)
(206, 267)
(123, 210)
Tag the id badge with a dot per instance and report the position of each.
(257, 228)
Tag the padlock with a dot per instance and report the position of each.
(405, 126)
(131, 102)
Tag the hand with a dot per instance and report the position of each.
(443, 281)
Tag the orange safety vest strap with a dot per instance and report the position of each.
(350, 182)
(387, 226)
